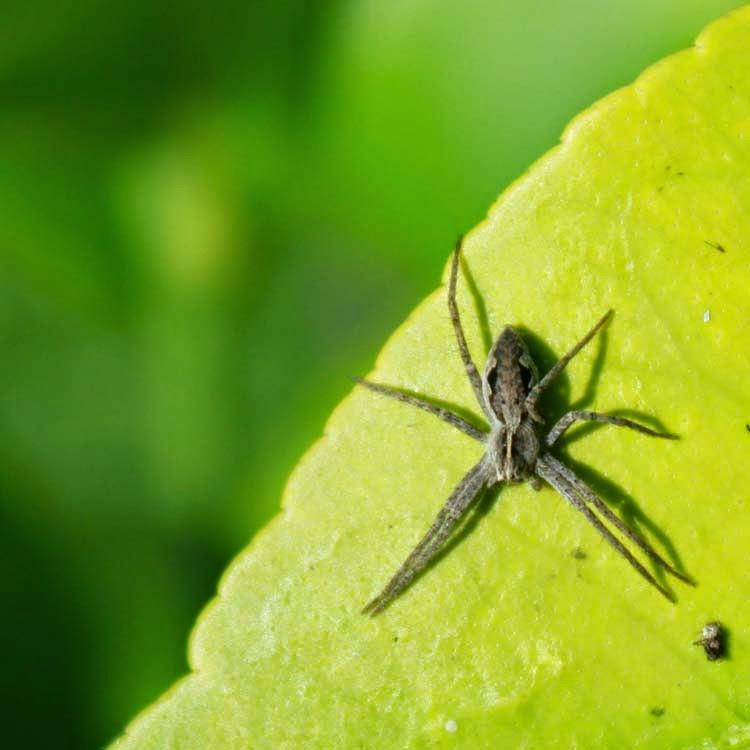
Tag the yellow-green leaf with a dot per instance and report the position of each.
(530, 632)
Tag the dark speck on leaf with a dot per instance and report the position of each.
(578, 554)
(713, 640)
(716, 246)
(747, 427)
(657, 711)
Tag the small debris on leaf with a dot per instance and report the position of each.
(712, 640)
(716, 246)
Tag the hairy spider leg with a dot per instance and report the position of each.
(438, 411)
(445, 522)
(588, 494)
(471, 368)
(594, 416)
(547, 471)
(559, 366)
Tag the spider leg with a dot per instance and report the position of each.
(592, 416)
(559, 366)
(471, 368)
(445, 522)
(588, 494)
(441, 413)
(550, 474)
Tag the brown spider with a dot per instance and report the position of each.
(508, 393)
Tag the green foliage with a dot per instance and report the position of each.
(200, 203)
(511, 636)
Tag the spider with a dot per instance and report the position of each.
(515, 449)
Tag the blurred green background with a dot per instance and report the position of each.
(210, 215)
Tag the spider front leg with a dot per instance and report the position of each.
(446, 521)
(559, 366)
(593, 416)
(470, 367)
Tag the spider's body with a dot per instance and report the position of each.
(507, 392)
(509, 375)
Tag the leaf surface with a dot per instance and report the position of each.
(530, 632)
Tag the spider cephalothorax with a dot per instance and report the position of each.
(508, 392)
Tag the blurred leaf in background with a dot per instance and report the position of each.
(209, 216)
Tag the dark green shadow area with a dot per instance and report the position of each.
(556, 399)
(43, 634)
(727, 635)
(481, 318)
